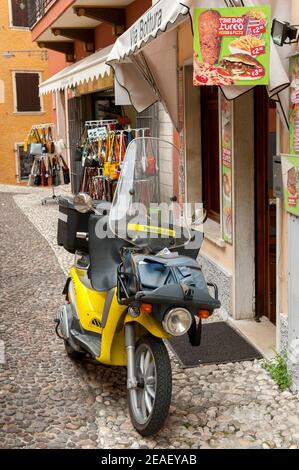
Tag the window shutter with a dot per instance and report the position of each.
(27, 91)
(19, 9)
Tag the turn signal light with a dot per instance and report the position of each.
(203, 314)
(146, 308)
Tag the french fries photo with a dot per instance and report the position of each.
(246, 43)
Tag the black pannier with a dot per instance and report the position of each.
(70, 222)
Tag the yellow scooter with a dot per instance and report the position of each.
(134, 283)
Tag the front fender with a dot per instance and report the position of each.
(114, 351)
(149, 323)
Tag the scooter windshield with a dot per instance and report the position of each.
(146, 209)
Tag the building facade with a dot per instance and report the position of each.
(23, 66)
(248, 247)
(79, 39)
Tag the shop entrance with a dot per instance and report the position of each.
(265, 204)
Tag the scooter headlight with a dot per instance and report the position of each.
(177, 321)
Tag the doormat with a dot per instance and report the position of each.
(220, 343)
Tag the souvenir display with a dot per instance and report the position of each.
(49, 167)
(102, 150)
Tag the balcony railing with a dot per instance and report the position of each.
(38, 9)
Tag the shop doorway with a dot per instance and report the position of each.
(265, 204)
(78, 111)
(89, 107)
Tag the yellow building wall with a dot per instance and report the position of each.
(14, 127)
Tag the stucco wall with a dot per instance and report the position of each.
(15, 127)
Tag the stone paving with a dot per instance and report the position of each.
(49, 401)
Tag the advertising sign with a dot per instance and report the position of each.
(294, 105)
(290, 175)
(226, 118)
(232, 46)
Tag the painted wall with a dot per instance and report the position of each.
(103, 36)
(15, 127)
(136, 9)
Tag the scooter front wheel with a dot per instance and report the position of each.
(149, 403)
(71, 352)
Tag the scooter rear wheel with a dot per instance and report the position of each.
(149, 403)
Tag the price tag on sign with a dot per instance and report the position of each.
(258, 50)
(256, 30)
(258, 72)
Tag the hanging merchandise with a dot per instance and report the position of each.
(49, 168)
(102, 150)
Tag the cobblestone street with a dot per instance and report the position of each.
(49, 401)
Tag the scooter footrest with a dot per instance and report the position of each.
(90, 343)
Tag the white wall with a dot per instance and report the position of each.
(165, 155)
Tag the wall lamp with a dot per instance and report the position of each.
(283, 32)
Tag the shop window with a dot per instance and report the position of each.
(210, 151)
(20, 13)
(27, 98)
(25, 163)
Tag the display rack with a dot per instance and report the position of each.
(48, 134)
(103, 152)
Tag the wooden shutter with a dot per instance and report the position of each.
(210, 151)
(27, 92)
(20, 17)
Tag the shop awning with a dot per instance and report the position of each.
(144, 58)
(90, 68)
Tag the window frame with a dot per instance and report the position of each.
(11, 25)
(15, 101)
(19, 178)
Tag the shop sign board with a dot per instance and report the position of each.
(232, 46)
(290, 163)
(226, 146)
(294, 105)
(290, 176)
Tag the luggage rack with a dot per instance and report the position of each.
(123, 279)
